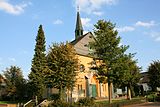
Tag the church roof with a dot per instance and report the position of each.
(144, 77)
(78, 39)
(81, 44)
(81, 41)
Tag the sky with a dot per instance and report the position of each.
(137, 21)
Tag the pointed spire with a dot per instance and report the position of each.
(79, 28)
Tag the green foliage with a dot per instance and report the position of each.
(86, 102)
(154, 75)
(1, 81)
(127, 73)
(116, 67)
(60, 103)
(151, 97)
(15, 84)
(106, 48)
(54, 97)
(39, 65)
(63, 64)
(8, 102)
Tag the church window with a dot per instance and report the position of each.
(79, 87)
(82, 68)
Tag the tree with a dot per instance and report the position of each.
(63, 65)
(15, 83)
(154, 75)
(106, 48)
(127, 74)
(39, 64)
(2, 80)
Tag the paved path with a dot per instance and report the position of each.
(147, 104)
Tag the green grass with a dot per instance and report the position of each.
(121, 102)
(7, 102)
(113, 101)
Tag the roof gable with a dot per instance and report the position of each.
(81, 44)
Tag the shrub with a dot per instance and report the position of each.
(59, 103)
(157, 98)
(86, 101)
(55, 97)
(151, 97)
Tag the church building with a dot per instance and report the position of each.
(87, 84)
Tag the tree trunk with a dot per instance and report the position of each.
(71, 93)
(128, 93)
(60, 93)
(110, 92)
(68, 95)
(48, 92)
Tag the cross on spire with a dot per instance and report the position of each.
(78, 8)
(79, 28)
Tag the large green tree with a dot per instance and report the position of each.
(154, 75)
(1, 80)
(39, 64)
(127, 73)
(15, 83)
(107, 48)
(63, 64)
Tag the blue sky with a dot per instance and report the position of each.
(138, 23)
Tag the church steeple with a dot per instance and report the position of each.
(79, 28)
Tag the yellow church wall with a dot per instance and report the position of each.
(102, 90)
(85, 60)
(80, 89)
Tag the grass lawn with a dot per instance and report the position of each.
(121, 102)
(7, 102)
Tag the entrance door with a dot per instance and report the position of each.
(94, 91)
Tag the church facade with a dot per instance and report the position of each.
(87, 84)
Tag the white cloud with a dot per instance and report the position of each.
(12, 9)
(12, 59)
(92, 6)
(98, 13)
(125, 29)
(58, 22)
(155, 35)
(86, 22)
(157, 39)
(145, 24)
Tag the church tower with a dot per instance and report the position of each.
(79, 28)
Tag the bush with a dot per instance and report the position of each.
(151, 97)
(59, 103)
(86, 101)
(157, 98)
(55, 97)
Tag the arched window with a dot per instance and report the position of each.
(82, 68)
